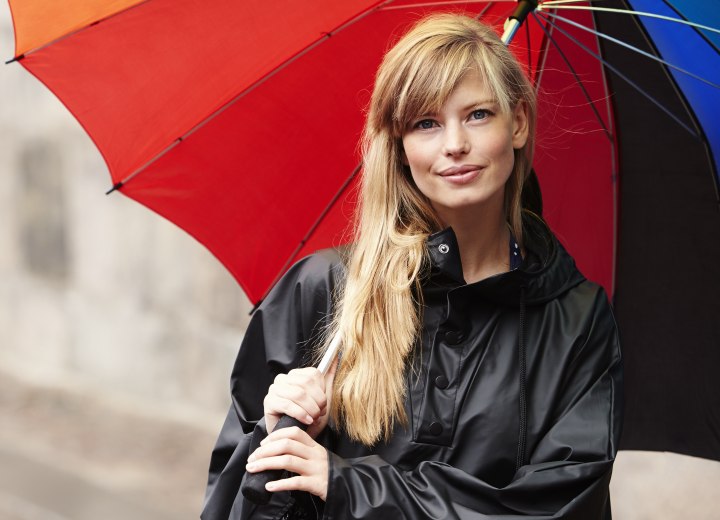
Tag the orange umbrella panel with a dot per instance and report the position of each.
(39, 22)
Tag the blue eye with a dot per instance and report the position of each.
(425, 124)
(479, 114)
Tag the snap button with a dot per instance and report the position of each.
(441, 382)
(453, 337)
(435, 429)
(443, 248)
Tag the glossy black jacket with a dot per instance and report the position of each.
(516, 411)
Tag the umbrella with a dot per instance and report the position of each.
(666, 298)
(238, 121)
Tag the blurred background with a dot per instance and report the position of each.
(117, 336)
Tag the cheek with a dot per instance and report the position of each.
(498, 145)
(413, 153)
(418, 154)
(418, 159)
(420, 180)
(501, 151)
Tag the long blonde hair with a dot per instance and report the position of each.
(378, 311)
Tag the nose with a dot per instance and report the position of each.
(456, 140)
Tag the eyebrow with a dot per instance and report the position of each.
(489, 101)
(474, 104)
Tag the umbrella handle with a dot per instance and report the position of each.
(253, 485)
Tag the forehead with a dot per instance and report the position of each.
(472, 89)
(429, 79)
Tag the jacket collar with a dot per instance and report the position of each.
(445, 255)
(546, 271)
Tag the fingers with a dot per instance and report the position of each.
(320, 422)
(299, 394)
(294, 433)
(287, 448)
(282, 447)
(299, 483)
(293, 450)
(277, 406)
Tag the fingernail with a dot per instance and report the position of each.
(308, 419)
(270, 486)
(251, 466)
(251, 458)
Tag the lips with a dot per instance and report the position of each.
(459, 170)
(460, 174)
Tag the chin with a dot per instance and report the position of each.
(469, 202)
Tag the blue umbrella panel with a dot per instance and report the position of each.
(667, 274)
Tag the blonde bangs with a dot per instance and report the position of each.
(430, 73)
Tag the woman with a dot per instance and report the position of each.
(480, 372)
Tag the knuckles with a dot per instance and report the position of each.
(297, 388)
(295, 432)
(298, 392)
(309, 375)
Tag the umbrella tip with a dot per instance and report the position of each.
(117, 186)
(16, 58)
(255, 307)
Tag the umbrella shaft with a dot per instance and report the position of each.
(524, 8)
(511, 27)
(330, 354)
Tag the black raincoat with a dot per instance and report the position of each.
(514, 405)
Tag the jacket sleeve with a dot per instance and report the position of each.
(569, 466)
(279, 338)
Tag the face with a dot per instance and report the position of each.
(462, 156)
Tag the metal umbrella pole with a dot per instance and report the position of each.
(513, 23)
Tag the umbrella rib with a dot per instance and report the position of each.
(309, 234)
(553, 3)
(698, 31)
(577, 78)
(632, 48)
(434, 4)
(688, 109)
(541, 63)
(624, 77)
(485, 9)
(250, 88)
(628, 11)
(529, 50)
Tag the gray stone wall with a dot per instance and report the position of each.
(96, 291)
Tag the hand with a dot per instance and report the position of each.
(303, 394)
(293, 450)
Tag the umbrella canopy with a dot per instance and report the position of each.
(239, 122)
(667, 277)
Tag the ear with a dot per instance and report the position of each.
(520, 125)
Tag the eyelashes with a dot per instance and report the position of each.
(427, 123)
(480, 114)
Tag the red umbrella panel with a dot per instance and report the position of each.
(239, 121)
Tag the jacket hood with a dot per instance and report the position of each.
(547, 271)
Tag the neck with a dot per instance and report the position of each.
(483, 237)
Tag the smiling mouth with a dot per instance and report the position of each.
(460, 175)
(459, 171)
